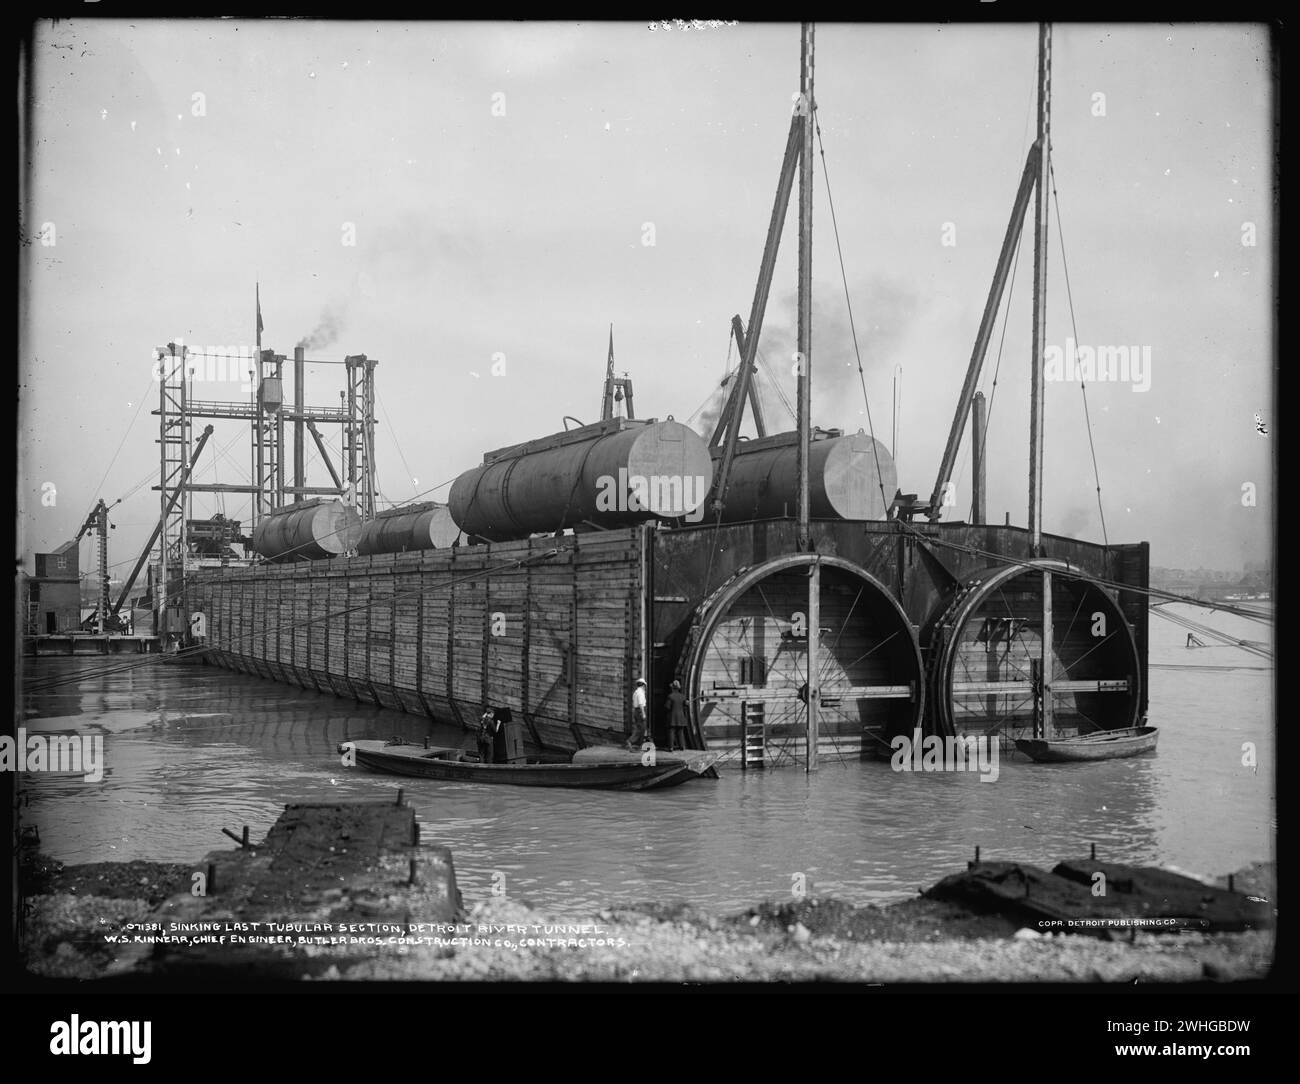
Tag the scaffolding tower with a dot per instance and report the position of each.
(267, 413)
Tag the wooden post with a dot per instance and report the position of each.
(814, 635)
(1047, 669)
(806, 106)
(1037, 388)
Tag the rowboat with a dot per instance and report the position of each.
(1103, 745)
(627, 771)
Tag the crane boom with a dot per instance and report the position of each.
(148, 546)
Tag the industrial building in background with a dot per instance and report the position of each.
(51, 598)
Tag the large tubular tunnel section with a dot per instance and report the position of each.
(308, 532)
(850, 477)
(990, 674)
(422, 527)
(745, 662)
(609, 474)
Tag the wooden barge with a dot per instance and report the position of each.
(920, 626)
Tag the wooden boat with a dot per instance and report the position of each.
(612, 772)
(1103, 745)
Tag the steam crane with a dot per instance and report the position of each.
(97, 521)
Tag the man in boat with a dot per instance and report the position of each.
(501, 718)
(676, 717)
(638, 715)
(485, 735)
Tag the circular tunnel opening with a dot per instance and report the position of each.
(994, 676)
(748, 664)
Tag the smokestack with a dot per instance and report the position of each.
(978, 418)
(299, 449)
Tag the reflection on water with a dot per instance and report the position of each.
(190, 750)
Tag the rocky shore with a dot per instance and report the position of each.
(72, 909)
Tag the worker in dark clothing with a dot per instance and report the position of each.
(485, 733)
(676, 718)
(500, 752)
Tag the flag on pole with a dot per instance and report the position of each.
(258, 288)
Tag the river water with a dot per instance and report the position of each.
(192, 749)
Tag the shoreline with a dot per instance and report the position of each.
(812, 939)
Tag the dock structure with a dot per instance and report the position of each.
(323, 867)
(74, 643)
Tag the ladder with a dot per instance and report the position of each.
(753, 739)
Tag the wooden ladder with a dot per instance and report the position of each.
(753, 748)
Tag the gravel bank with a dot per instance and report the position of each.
(807, 940)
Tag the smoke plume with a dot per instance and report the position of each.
(885, 314)
(327, 329)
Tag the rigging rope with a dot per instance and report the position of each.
(776, 386)
(253, 634)
(126, 434)
(396, 443)
(1148, 592)
(1252, 646)
(826, 177)
(1065, 269)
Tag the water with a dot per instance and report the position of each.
(190, 750)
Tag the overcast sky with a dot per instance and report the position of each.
(511, 190)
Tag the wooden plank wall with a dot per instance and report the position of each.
(443, 633)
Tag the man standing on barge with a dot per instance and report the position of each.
(676, 705)
(638, 716)
(486, 734)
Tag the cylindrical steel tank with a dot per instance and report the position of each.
(846, 476)
(430, 529)
(308, 534)
(610, 473)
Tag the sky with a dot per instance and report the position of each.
(475, 204)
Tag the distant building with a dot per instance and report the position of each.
(53, 595)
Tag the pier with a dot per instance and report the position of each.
(89, 643)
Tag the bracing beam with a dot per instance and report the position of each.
(793, 154)
(1028, 181)
(171, 505)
